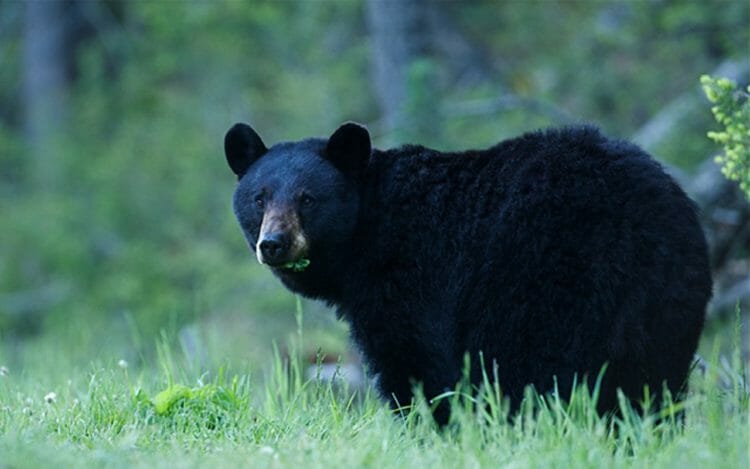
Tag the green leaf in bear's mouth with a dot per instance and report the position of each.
(297, 266)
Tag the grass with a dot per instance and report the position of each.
(171, 413)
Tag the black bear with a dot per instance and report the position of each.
(551, 255)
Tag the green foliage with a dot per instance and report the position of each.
(139, 224)
(731, 108)
(614, 64)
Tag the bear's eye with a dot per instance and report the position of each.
(260, 201)
(306, 200)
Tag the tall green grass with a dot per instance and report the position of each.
(172, 413)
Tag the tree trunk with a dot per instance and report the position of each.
(45, 81)
(398, 30)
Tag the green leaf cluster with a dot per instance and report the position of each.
(731, 108)
(200, 399)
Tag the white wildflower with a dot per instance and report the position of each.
(122, 364)
(50, 398)
(4, 371)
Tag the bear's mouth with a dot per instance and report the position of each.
(295, 266)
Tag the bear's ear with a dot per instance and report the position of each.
(242, 146)
(349, 148)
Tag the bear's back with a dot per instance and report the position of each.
(541, 190)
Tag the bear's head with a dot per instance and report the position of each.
(298, 202)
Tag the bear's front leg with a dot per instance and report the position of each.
(400, 376)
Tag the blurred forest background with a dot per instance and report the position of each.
(115, 220)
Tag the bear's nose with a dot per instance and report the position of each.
(274, 248)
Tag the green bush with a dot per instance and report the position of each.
(732, 110)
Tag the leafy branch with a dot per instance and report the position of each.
(732, 110)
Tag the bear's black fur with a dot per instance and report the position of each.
(551, 254)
